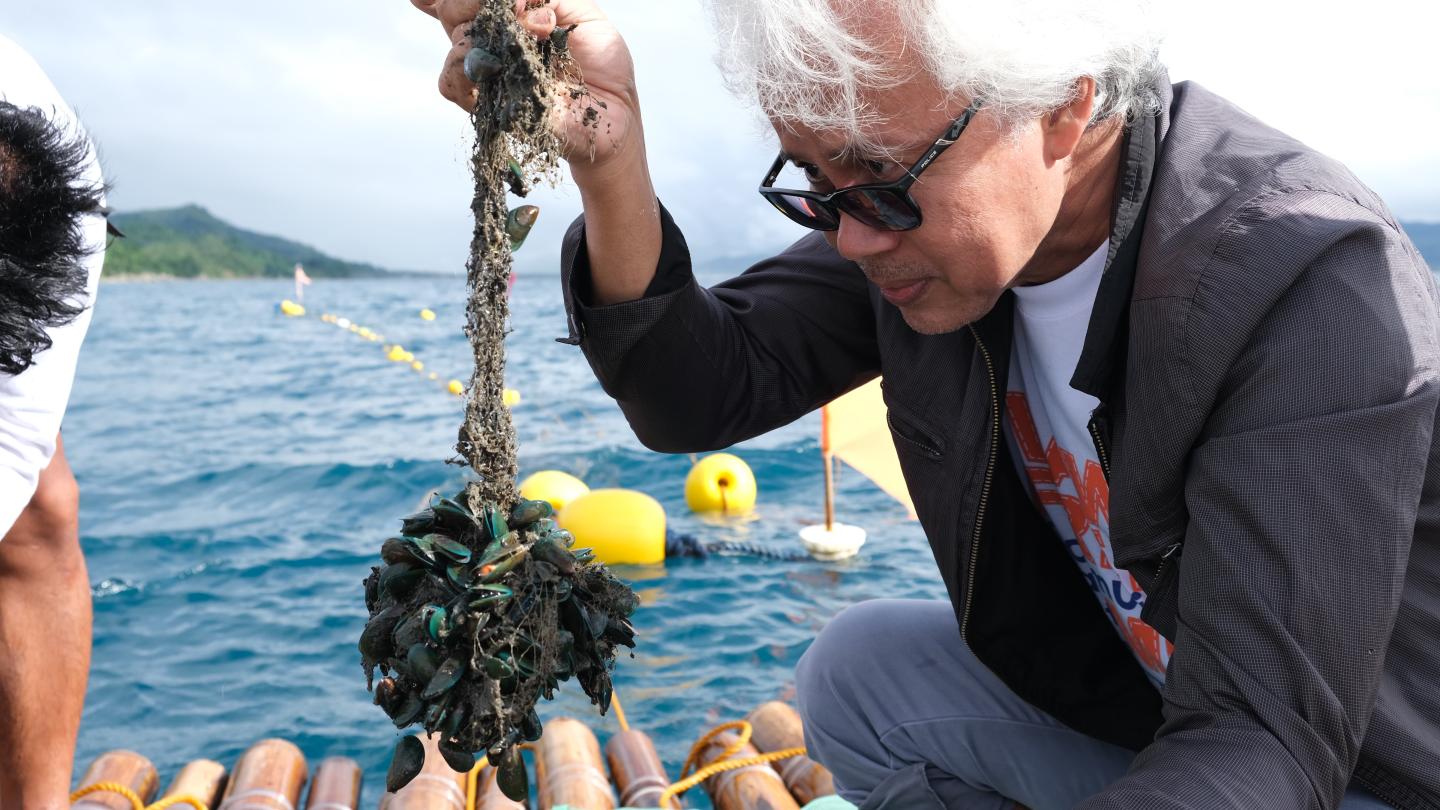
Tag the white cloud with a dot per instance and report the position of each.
(320, 121)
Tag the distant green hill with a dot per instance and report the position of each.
(190, 242)
(1426, 236)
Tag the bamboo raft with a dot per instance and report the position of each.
(567, 764)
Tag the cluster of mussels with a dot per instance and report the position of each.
(476, 616)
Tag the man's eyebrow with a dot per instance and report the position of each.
(902, 154)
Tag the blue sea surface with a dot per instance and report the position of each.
(239, 470)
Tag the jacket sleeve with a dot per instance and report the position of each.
(1302, 497)
(698, 369)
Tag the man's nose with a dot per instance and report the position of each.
(855, 240)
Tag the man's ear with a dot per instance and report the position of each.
(1063, 128)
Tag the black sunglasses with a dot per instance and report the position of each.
(883, 206)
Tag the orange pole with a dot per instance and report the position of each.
(753, 787)
(336, 785)
(568, 767)
(639, 774)
(268, 776)
(829, 468)
(125, 767)
(199, 779)
(776, 726)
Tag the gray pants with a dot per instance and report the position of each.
(907, 719)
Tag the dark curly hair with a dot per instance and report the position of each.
(43, 201)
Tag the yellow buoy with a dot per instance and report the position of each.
(720, 483)
(559, 488)
(456, 387)
(622, 526)
(396, 354)
(291, 308)
(434, 376)
(427, 314)
(418, 366)
(510, 397)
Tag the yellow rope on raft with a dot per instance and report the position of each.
(134, 799)
(619, 710)
(723, 762)
(472, 783)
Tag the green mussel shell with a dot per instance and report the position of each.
(459, 760)
(408, 710)
(406, 763)
(518, 224)
(398, 580)
(480, 65)
(510, 775)
(448, 547)
(527, 512)
(423, 663)
(445, 678)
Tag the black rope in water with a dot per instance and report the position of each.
(685, 545)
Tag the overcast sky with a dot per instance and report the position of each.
(319, 121)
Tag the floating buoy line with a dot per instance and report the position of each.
(394, 352)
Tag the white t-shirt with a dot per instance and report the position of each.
(1047, 426)
(33, 402)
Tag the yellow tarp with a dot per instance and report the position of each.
(860, 435)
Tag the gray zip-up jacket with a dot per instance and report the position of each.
(1264, 347)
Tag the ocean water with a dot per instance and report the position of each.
(239, 469)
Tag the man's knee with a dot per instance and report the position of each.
(50, 523)
(847, 654)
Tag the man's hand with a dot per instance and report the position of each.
(598, 128)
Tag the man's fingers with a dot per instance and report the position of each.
(539, 21)
(453, 84)
(427, 6)
(457, 13)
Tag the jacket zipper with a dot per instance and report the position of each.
(1171, 551)
(985, 487)
(1100, 448)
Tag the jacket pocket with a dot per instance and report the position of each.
(909, 434)
(1160, 577)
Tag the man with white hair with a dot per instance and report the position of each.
(1163, 383)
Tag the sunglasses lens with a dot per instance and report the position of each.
(880, 208)
(805, 211)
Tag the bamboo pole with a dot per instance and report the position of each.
(435, 788)
(776, 726)
(200, 779)
(568, 767)
(336, 785)
(753, 787)
(639, 774)
(268, 776)
(124, 767)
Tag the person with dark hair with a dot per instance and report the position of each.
(52, 239)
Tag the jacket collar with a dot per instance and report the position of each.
(1102, 359)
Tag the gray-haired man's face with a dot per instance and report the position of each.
(988, 202)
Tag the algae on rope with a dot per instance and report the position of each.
(511, 126)
(483, 605)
